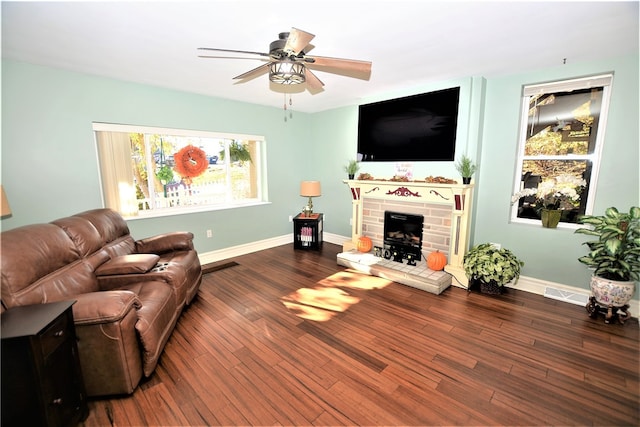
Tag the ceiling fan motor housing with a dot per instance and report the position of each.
(275, 48)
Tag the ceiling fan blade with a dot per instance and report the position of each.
(347, 67)
(297, 40)
(233, 51)
(254, 73)
(314, 85)
(233, 57)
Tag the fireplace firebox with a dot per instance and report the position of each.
(403, 236)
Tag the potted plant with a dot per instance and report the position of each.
(352, 168)
(614, 257)
(238, 152)
(553, 196)
(165, 174)
(491, 268)
(466, 168)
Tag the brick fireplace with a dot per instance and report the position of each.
(446, 209)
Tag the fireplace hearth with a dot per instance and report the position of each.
(417, 276)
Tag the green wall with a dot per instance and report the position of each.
(49, 166)
(551, 254)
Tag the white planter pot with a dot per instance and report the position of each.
(612, 292)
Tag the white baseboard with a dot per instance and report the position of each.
(557, 291)
(234, 251)
(336, 239)
(565, 293)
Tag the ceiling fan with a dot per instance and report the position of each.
(289, 64)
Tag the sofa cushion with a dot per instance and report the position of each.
(108, 222)
(83, 234)
(113, 230)
(30, 253)
(128, 264)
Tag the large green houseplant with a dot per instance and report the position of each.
(614, 257)
(491, 267)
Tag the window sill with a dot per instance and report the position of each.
(190, 210)
(538, 223)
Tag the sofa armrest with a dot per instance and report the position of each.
(103, 307)
(128, 264)
(168, 242)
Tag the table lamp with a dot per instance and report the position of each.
(4, 203)
(310, 189)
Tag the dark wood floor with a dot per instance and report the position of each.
(288, 337)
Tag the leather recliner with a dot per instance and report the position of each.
(129, 294)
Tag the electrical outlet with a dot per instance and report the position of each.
(209, 233)
(290, 218)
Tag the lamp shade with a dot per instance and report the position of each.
(4, 203)
(310, 188)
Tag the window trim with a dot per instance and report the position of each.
(600, 80)
(126, 128)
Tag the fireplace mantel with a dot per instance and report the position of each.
(457, 196)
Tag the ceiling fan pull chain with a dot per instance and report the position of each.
(291, 109)
(285, 107)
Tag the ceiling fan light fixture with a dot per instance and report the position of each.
(286, 72)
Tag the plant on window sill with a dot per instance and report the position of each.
(559, 193)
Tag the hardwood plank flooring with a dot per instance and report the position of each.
(288, 337)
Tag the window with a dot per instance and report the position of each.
(154, 171)
(562, 128)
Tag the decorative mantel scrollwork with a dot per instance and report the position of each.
(372, 190)
(438, 194)
(403, 192)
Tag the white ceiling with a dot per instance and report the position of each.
(410, 43)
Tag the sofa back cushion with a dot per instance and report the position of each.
(113, 230)
(40, 264)
(83, 234)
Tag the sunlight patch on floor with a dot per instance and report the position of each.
(325, 300)
(355, 280)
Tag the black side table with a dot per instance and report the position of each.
(307, 231)
(41, 378)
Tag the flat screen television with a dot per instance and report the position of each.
(414, 128)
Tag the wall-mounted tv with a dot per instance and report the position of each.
(414, 128)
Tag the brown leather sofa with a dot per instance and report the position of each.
(129, 293)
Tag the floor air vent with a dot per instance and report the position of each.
(566, 296)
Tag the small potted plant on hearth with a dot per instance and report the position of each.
(615, 259)
(352, 168)
(466, 168)
(490, 268)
